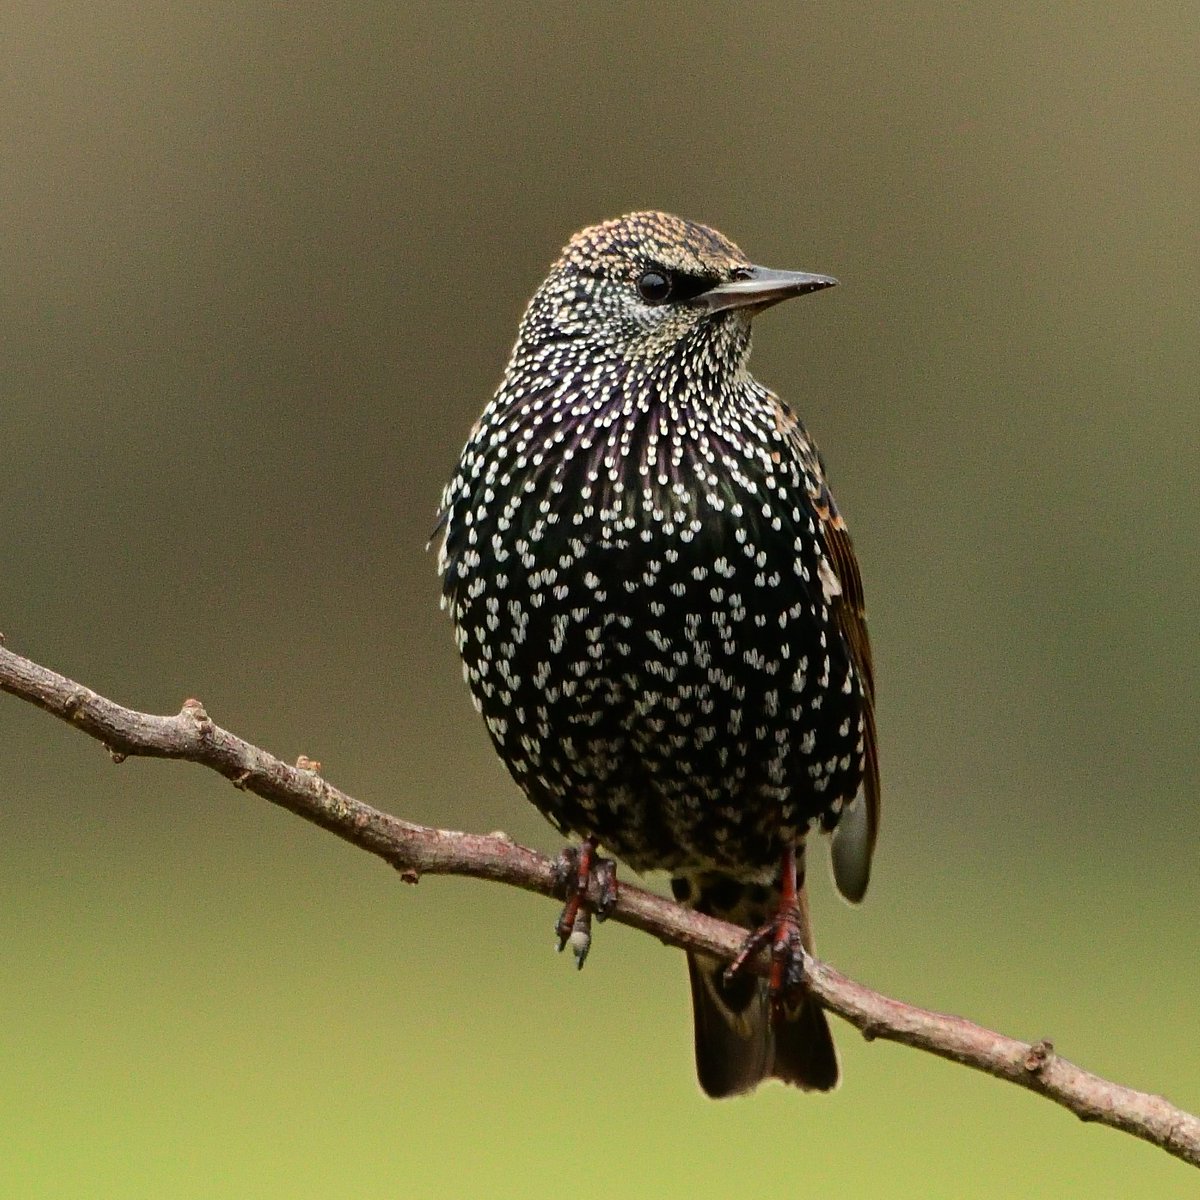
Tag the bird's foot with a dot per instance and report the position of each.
(780, 937)
(575, 870)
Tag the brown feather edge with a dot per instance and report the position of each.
(850, 608)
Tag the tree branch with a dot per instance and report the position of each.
(416, 850)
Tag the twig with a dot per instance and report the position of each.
(416, 850)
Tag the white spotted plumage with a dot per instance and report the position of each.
(637, 576)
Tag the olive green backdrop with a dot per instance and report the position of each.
(260, 269)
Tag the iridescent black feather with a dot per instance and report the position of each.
(656, 602)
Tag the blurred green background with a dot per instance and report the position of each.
(262, 266)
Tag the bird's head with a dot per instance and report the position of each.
(649, 285)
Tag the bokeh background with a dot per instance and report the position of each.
(261, 267)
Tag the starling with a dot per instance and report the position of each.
(661, 619)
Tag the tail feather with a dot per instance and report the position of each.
(734, 1048)
(738, 1044)
(805, 1055)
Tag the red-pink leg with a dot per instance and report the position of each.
(575, 869)
(782, 935)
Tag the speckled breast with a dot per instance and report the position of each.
(666, 676)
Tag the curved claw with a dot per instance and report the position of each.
(782, 937)
(605, 872)
(754, 943)
(574, 870)
(787, 962)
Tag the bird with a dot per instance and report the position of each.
(660, 618)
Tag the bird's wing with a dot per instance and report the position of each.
(849, 607)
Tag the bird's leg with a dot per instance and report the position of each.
(781, 935)
(787, 949)
(574, 870)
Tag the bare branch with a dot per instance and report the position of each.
(416, 850)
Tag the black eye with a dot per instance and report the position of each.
(657, 285)
(654, 287)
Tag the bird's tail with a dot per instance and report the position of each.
(738, 1044)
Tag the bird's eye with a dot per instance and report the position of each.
(657, 285)
(654, 287)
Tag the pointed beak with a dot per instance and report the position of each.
(760, 287)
